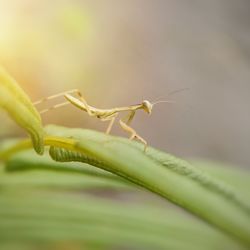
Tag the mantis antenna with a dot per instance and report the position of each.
(162, 102)
(171, 94)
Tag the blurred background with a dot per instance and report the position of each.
(121, 52)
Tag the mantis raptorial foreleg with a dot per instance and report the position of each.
(133, 133)
(129, 129)
(130, 117)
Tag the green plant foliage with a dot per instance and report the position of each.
(31, 207)
(174, 179)
(20, 108)
(235, 176)
(39, 215)
(81, 175)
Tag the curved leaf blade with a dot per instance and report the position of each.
(174, 179)
(14, 100)
(205, 196)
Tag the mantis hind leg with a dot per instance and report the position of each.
(55, 96)
(54, 107)
(64, 94)
(133, 133)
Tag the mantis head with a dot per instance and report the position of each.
(147, 106)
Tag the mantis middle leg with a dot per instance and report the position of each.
(111, 123)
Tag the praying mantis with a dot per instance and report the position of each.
(104, 114)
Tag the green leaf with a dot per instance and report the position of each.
(71, 175)
(20, 108)
(234, 175)
(48, 217)
(203, 195)
(176, 180)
